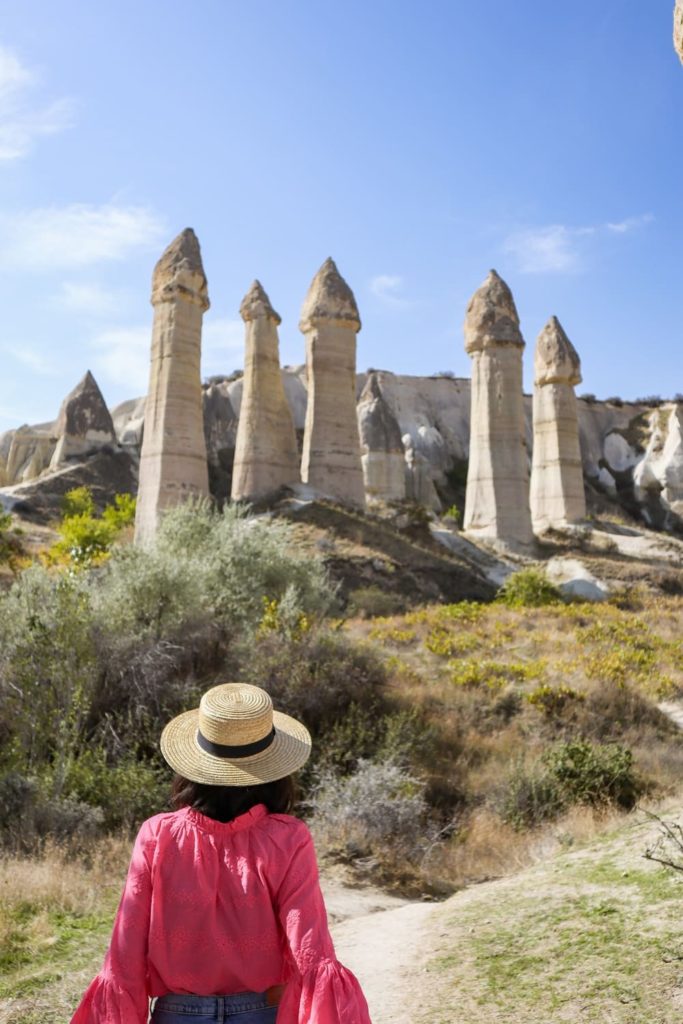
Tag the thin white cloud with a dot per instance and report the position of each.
(89, 298)
(543, 250)
(78, 235)
(121, 355)
(558, 248)
(21, 123)
(387, 288)
(630, 224)
(35, 360)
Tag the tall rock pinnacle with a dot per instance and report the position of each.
(173, 464)
(557, 490)
(266, 456)
(497, 498)
(331, 461)
(383, 455)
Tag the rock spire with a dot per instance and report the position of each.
(383, 455)
(266, 456)
(557, 491)
(173, 465)
(497, 498)
(84, 423)
(331, 461)
(678, 28)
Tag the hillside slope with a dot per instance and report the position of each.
(592, 935)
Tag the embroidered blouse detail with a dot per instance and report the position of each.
(211, 908)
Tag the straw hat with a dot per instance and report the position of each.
(234, 738)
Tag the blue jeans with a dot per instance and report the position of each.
(242, 1008)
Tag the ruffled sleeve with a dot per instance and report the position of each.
(320, 989)
(119, 993)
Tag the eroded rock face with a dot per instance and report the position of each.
(84, 423)
(173, 460)
(266, 456)
(383, 455)
(29, 455)
(331, 461)
(678, 28)
(497, 498)
(557, 493)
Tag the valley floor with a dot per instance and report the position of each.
(590, 935)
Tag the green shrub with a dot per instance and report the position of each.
(48, 669)
(528, 588)
(78, 502)
(369, 602)
(11, 547)
(593, 773)
(528, 797)
(126, 790)
(209, 567)
(319, 677)
(552, 701)
(84, 538)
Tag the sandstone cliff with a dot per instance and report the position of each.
(632, 454)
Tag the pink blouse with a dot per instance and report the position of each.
(212, 909)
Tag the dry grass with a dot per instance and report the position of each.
(590, 935)
(56, 911)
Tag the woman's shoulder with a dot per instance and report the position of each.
(287, 832)
(158, 823)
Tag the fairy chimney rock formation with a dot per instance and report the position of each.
(557, 491)
(678, 28)
(84, 423)
(331, 461)
(382, 452)
(266, 455)
(173, 464)
(497, 498)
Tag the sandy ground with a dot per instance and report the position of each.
(382, 939)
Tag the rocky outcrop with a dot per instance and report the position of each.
(678, 28)
(331, 461)
(106, 473)
(497, 501)
(173, 461)
(557, 495)
(266, 455)
(27, 453)
(383, 454)
(84, 423)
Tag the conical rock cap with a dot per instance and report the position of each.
(329, 298)
(180, 269)
(492, 317)
(83, 410)
(555, 358)
(256, 305)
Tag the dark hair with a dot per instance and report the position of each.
(223, 803)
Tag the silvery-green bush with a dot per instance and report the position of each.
(379, 810)
(208, 564)
(97, 660)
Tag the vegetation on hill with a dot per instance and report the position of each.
(459, 730)
(592, 935)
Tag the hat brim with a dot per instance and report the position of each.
(288, 752)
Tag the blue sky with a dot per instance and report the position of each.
(419, 144)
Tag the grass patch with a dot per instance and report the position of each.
(592, 936)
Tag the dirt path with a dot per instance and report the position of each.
(380, 938)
